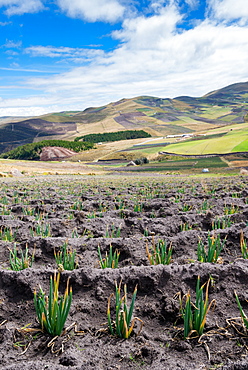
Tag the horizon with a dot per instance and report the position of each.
(134, 97)
(70, 55)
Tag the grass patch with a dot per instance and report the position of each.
(225, 144)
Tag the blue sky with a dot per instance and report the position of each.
(72, 54)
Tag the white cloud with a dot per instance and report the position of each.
(147, 33)
(29, 111)
(153, 58)
(93, 10)
(10, 44)
(11, 52)
(5, 23)
(228, 10)
(192, 3)
(30, 106)
(18, 7)
(75, 54)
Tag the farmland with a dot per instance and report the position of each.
(132, 215)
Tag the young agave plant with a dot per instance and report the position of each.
(20, 263)
(195, 314)
(242, 314)
(214, 248)
(113, 232)
(123, 324)
(7, 234)
(66, 258)
(111, 259)
(159, 254)
(52, 310)
(243, 245)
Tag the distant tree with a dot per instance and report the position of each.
(142, 160)
(113, 136)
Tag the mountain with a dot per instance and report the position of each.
(157, 116)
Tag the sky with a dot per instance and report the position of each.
(60, 55)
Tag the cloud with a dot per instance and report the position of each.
(10, 44)
(15, 67)
(229, 10)
(192, 3)
(93, 10)
(147, 32)
(27, 111)
(5, 23)
(154, 57)
(19, 7)
(75, 54)
(11, 52)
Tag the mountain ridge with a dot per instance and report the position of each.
(157, 116)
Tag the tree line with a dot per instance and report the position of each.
(113, 136)
(32, 151)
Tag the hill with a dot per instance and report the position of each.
(220, 109)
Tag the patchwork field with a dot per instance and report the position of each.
(168, 234)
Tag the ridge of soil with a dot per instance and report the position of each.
(127, 213)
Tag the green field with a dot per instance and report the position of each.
(233, 141)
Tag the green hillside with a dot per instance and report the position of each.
(220, 109)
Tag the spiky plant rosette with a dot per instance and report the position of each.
(195, 314)
(20, 263)
(52, 310)
(66, 257)
(124, 323)
(111, 259)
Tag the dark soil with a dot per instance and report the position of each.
(90, 212)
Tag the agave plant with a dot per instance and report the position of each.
(123, 324)
(243, 245)
(111, 259)
(214, 248)
(20, 263)
(66, 258)
(244, 318)
(195, 314)
(52, 310)
(160, 253)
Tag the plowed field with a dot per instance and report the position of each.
(132, 215)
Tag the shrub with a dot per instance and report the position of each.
(32, 151)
